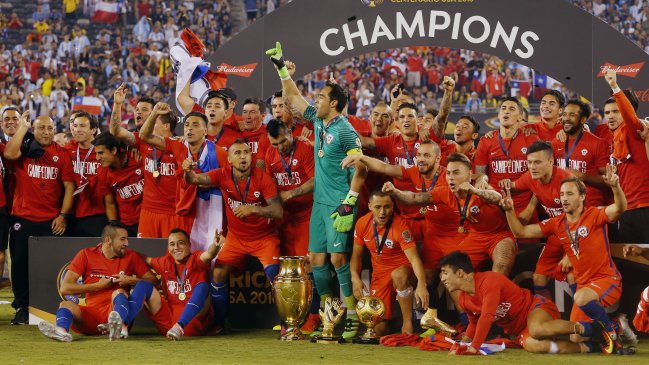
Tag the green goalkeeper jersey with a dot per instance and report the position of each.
(332, 144)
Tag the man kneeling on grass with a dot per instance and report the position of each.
(490, 297)
(109, 270)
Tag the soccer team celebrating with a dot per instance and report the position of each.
(314, 182)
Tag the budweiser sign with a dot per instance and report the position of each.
(243, 70)
(628, 70)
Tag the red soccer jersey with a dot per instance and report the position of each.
(297, 131)
(547, 194)
(261, 189)
(496, 300)
(362, 126)
(604, 132)
(159, 192)
(233, 121)
(499, 166)
(489, 218)
(544, 132)
(3, 172)
(226, 137)
(91, 264)
(591, 256)
(41, 178)
(633, 171)
(440, 218)
(400, 153)
(587, 156)
(193, 271)
(88, 201)
(290, 172)
(186, 193)
(392, 254)
(258, 142)
(127, 185)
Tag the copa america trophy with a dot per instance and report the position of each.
(370, 312)
(293, 294)
(331, 314)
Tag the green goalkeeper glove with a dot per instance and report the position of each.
(277, 58)
(344, 214)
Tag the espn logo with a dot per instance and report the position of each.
(628, 70)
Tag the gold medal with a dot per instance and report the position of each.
(182, 296)
(156, 174)
(422, 210)
(321, 153)
(461, 229)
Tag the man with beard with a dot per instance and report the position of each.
(252, 203)
(42, 169)
(89, 212)
(108, 271)
(582, 153)
(143, 108)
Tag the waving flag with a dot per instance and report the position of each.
(106, 12)
(89, 104)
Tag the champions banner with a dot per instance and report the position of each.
(554, 37)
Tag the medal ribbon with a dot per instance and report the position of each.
(236, 185)
(432, 183)
(572, 149)
(409, 157)
(79, 165)
(287, 167)
(574, 241)
(379, 244)
(180, 280)
(463, 210)
(158, 161)
(502, 144)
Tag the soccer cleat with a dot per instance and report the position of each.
(311, 324)
(102, 328)
(430, 320)
(54, 332)
(124, 333)
(115, 326)
(351, 327)
(21, 317)
(277, 327)
(603, 338)
(429, 332)
(175, 332)
(625, 331)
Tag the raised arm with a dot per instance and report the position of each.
(211, 252)
(146, 131)
(192, 177)
(615, 210)
(116, 129)
(518, 229)
(626, 109)
(442, 118)
(12, 149)
(289, 88)
(373, 164)
(408, 197)
(185, 101)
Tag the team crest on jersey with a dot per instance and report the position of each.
(524, 150)
(389, 243)
(138, 172)
(406, 236)
(294, 162)
(358, 141)
(330, 138)
(557, 201)
(475, 209)
(55, 158)
(584, 152)
(582, 232)
(257, 194)
(17, 226)
(417, 145)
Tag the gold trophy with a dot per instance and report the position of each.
(430, 320)
(332, 313)
(293, 294)
(370, 312)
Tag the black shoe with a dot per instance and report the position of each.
(22, 317)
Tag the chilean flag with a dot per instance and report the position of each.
(106, 12)
(523, 86)
(89, 104)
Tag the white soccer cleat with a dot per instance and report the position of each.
(175, 332)
(626, 333)
(114, 326)
(54, 332)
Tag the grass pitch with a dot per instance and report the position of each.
(26, 345)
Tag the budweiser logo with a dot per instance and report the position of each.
(243, 70)
(628, 70)
(643, 95)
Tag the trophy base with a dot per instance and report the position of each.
(292, 334)
(328, 340)
(366, 340)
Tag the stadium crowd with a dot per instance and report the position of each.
(262, 183)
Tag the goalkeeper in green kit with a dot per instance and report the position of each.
(336, 189)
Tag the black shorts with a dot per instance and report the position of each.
(90, 226)
(4, 230)
(632, 227)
